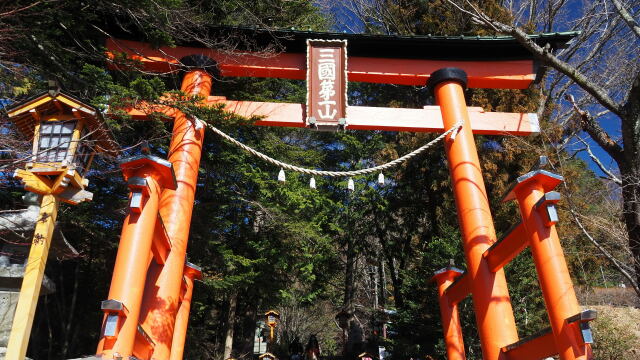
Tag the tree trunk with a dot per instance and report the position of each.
(249, 310)
(396, 281)
(71, 310)
(383, 284)
(631, 210)
(375, 282)
(630, 172)
(354, 337)
(349, 278)
(228, 340)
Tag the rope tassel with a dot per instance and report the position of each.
(281, 176)
(312, 183)
(381, 179)
(350, 185)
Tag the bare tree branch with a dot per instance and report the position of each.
(545, 55)
(610, 175)
(633, 24)
(597, 133)
(604, 252)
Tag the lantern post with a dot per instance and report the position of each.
(66, 134)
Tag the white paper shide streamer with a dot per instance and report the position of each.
(350, 184)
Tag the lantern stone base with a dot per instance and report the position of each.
(10, 282)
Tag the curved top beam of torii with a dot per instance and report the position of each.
(490, 62)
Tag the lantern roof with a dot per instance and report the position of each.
(267, 355)
(272, 312)
(27, 113)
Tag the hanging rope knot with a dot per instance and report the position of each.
(456, 130)
(197, 123)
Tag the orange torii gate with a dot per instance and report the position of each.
(145, 315)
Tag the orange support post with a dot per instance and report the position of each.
(492, 305)
(176, 207)
(191, 273)
(449, 314)
(539, 216)
(146, 177)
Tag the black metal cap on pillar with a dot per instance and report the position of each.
(446, 74)
(200, 61)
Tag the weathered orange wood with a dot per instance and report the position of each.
(428, 119)
(491, 301)
(129, 273)
(191, 273)
(176, 207)
(539, 347)
(553, 273)
(451, 328)
(161, 245)
(459, 289)
(505, 74)
(505, 250)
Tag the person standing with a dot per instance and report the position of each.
(312, 351)
(295, 349)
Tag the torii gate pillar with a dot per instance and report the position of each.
(491, 302)
(176, 206)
